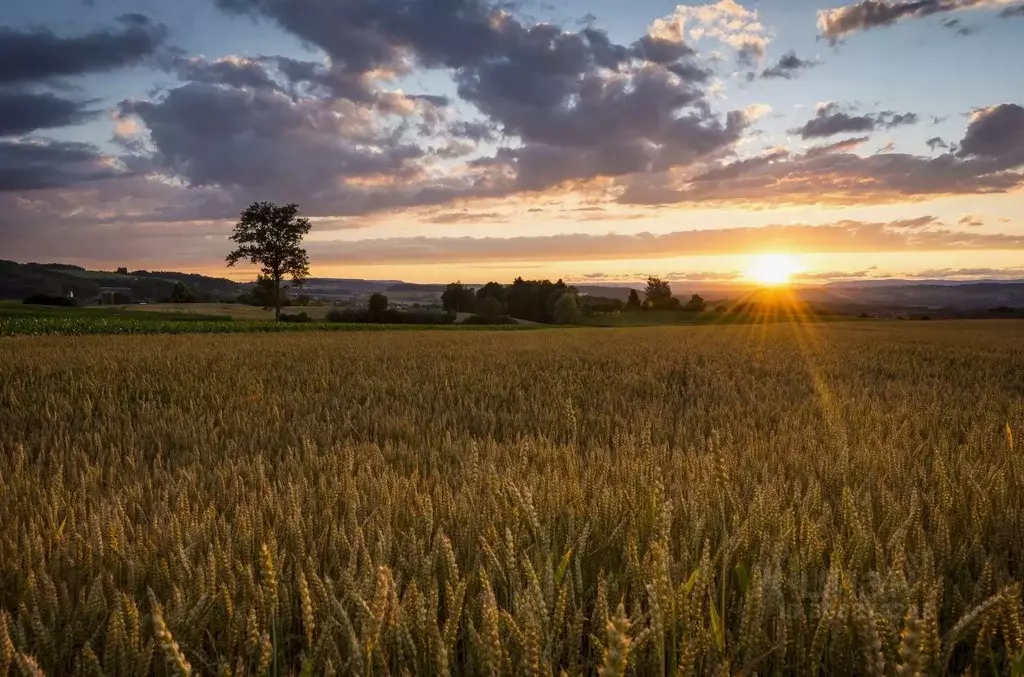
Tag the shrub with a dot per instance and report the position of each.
(300, 317)
(47, 300)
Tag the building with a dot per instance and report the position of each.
(115, 296)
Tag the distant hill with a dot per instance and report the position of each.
(20, 280)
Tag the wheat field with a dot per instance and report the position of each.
(841, 499)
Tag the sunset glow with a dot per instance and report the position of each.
(773, 270)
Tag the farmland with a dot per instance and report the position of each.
(784, 498)
(17, 319)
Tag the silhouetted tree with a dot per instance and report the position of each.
(566, 309)
(180, 293)
(458, 297)
(271, 236)
(533, 299)
(696, 304)
(490, 307)
(122, 271)
(378, 303)
(599, 304)
(634, 300)
(493, 289)
(658, 293)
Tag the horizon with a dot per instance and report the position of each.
(582, 141)
(796, 281)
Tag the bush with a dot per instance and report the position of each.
(300, 317)
(481, 319)
(47, 300)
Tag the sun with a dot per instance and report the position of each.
(773, 270)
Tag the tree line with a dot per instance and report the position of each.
(558, 303)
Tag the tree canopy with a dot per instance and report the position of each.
(658, 293)
(271, 236)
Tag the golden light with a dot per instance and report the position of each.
(773, 270)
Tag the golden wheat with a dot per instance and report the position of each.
(785, 499)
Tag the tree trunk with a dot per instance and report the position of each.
(277, 298)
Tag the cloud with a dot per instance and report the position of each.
(836, 275)
(867, 14)
(937, 142)
(30, 165)
(787, 67)
(264, 140)
(844, 146)
(840, 237)
(23, 111)
(996, 133)
(971, 221)
(1014, 11)
(725, 21)
(467, 217)
(231, 71)
(1012, 273)
(569, 107)
(829, 121)
(39, 54)
(987, 161)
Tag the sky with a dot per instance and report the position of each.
(600, 140)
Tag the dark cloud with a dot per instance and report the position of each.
(231, 71)
(31, 165)
(829, 121)
(473, 131)
(264, 140)
(787, 67)
(996, 133)
(581, 105)
(1014, 11)
(39, 54)
(841, 21)
(23, 111)
(937, 142)
(659, 50)
(987, 161)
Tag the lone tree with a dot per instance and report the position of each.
(271, 236)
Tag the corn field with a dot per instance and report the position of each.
(840, 499)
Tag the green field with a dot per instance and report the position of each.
(841, 499)
(234, 311)
(17, 319)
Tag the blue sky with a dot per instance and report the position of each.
(920, 123)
